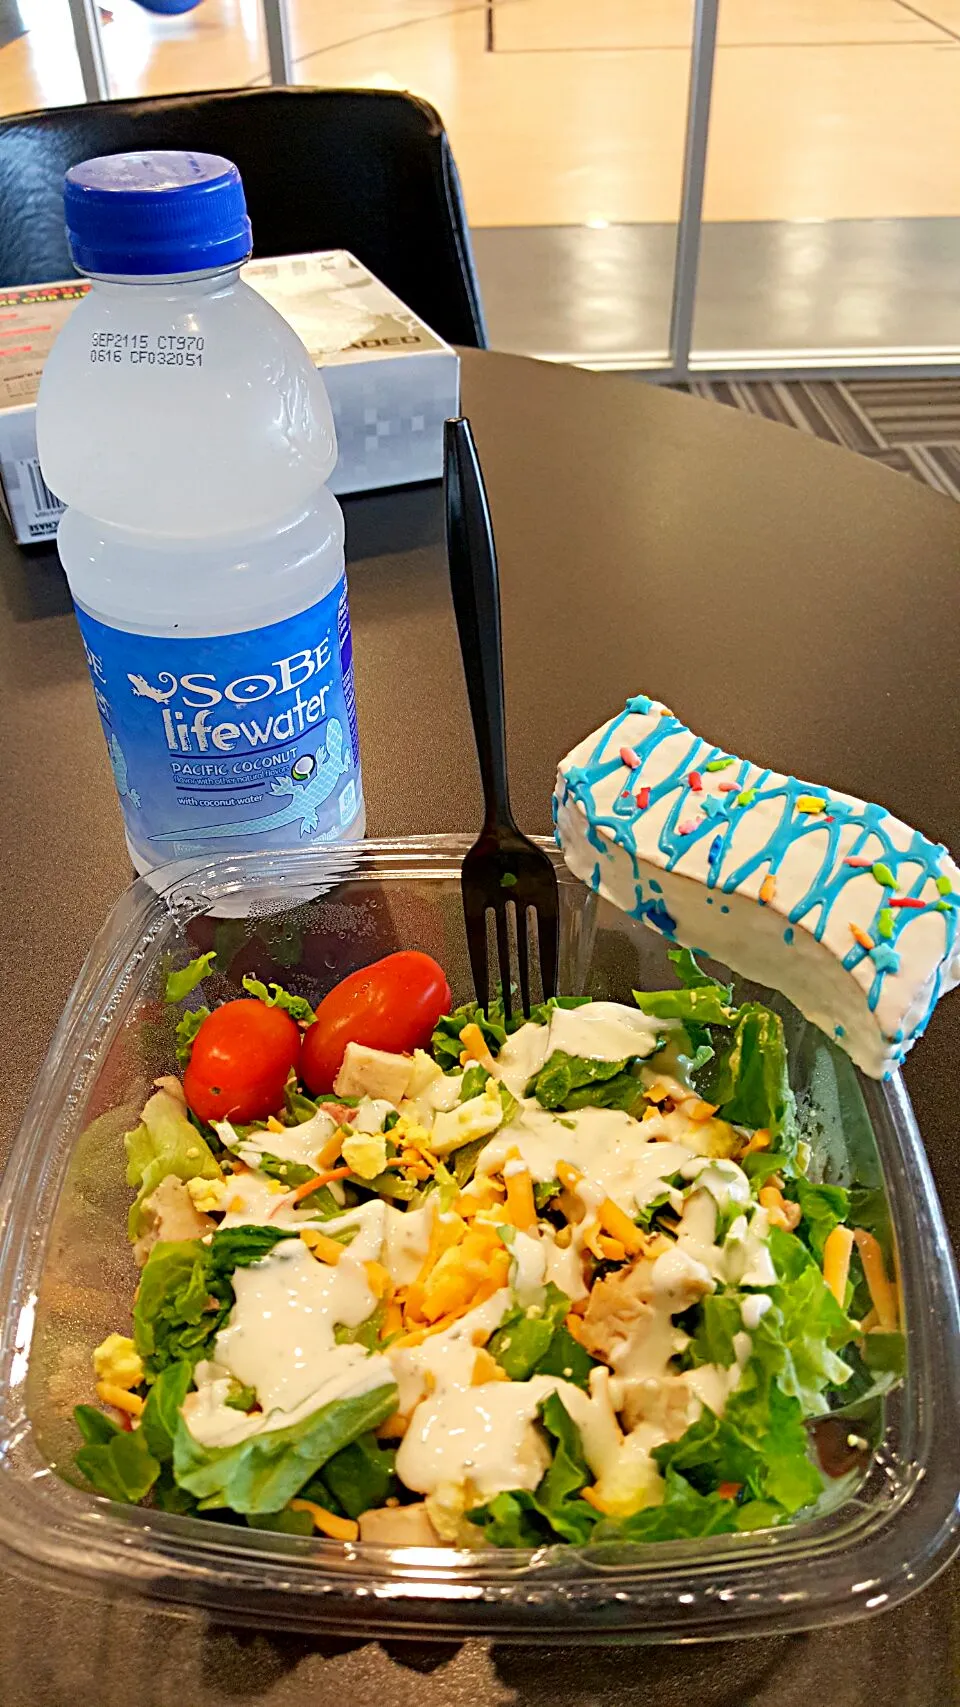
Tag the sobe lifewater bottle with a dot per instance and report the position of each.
(183, 424)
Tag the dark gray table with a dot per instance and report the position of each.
(788, 599)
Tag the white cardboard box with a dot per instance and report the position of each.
(392, 382)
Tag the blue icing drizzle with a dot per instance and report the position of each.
(839, 1031)
(719, 817)
(655, 886)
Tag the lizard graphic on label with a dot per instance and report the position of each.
(307, 799)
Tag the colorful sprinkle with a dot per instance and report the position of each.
(695, 781)
(860, 864)
(885, 922)
(810, 803)
(729, 787)
(629, 758)
(715, 855)
(943, 883)
(884, 958)
(688, 828)
(884, 875)
(718, 764)
(944, 906)
(788, 935)
(768, 889)
(907, 901)
(643, 799)
(747, 797)
(862, 938)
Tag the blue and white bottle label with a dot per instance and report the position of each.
(233, 741)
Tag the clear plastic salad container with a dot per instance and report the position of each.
(308, 918)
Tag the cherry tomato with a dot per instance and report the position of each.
(242, 1056)
(393, 1004)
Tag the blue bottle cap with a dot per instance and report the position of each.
(156, 214)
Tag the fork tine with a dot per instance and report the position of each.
(548, 937)
(523, 960)
(475, 919)
(503, 956)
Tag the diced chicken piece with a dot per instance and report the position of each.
(399, 1526)
(667, 1405)
(169, 1213)
(373, 1073)
(619, 1311)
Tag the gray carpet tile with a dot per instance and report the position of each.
(909, 425)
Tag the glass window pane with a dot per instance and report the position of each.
(831, 217)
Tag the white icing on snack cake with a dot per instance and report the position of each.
(845, 909)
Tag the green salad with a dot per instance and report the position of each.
(415, 1276)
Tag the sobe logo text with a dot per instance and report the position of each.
(186, 703)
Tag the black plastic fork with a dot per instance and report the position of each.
(504, 872)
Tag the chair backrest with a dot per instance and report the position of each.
(353, 169)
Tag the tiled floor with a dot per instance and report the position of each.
(912, 426)
(832, 205)
(823, 109)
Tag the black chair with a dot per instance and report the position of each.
(353, 169)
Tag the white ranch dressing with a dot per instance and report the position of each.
(605, 1144)
(293, 1144)
(485, 1435)
(605, 1031)
(279, 1336)
(522, 1056)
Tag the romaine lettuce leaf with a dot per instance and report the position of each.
(158, 1424)
(446, 1046)
(524, 1335)
(749, 1080)
(176, 1315)
(264, 1472)
(686, 1514)
(357, 1478)
(554, 1511)
(187, 1029)
(691, 975)
(185, 1292)
(165, 1142)
(116, 1461)
(179, 984)
(575, 1081)
(720, 1320)
(277, 997)
(822, 1208)
(703, 1005)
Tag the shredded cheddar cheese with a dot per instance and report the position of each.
(836, 1261)
(883, 1295)
(338, 1528)
(322, 1246)
(109, 1394)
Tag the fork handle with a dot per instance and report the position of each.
(475, 587)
